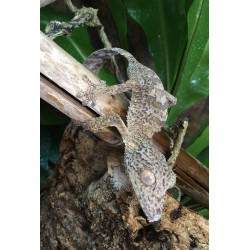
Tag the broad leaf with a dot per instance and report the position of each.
(164, 23)
(200, 143)
(204, 212)
(119, 13)
(204, 157)
(192, 82)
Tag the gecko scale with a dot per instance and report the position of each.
(146, 166)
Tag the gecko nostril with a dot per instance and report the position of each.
(147, 177)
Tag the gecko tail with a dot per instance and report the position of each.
(97, 59)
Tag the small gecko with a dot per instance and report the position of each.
(146, 166)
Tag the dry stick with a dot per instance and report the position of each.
(73, 77)
(57, 65)
(176, 149)
(45, 2)
(71, 6)
(73, 109)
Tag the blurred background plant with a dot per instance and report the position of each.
(169, 36)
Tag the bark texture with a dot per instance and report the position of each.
(88, 203)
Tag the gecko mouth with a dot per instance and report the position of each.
(151, 213)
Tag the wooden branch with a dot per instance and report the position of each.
(57, 65)
(64, 71)
(73, 109)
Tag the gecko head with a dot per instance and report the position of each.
(150, 178)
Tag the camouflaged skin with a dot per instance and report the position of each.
(146, 115)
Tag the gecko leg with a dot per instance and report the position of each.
(98, 123)
(116, 89)
(103, 90)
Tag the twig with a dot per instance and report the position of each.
(178, 142)
(71, 6)
(45, 2)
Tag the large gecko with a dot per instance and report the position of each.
(147, 168)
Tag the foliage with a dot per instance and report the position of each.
(177, 39)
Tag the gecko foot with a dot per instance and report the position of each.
(96, 124)
(89, 97)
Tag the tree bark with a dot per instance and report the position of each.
(88, 203)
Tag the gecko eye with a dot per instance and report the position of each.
(147, 177)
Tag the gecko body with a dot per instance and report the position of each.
(146, 166)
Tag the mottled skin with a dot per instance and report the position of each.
(146, 115)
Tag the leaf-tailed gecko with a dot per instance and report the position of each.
(147, 168)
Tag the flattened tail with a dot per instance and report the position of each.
(97, 59)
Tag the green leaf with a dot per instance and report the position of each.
(192, 82)
(195, 206)
(50, 115)
(164, 23)
(77, 44)
(200, 143)
(119, 13)
(107, 76)
(203, 157)
(185, 199)
(48, 14)
(204, 212)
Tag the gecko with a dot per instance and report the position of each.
(146, 166)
